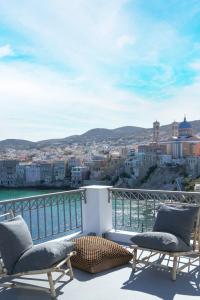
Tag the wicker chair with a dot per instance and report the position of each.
(193, 254)
(57, 267)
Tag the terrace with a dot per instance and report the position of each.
(117, 212)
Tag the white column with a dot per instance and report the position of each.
(97, 211)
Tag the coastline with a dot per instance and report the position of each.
(14, 193)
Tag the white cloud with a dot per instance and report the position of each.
(78, 33)
(41, 99)
(5, 50)
(85, 37)
(42, 104)
(195, 65)
(125, 40)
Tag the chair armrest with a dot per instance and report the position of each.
(134, 246)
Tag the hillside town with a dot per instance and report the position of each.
(101, 163)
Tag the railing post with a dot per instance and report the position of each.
(96, 210)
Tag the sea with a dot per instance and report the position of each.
(122, 214)
(45, 221)
(11, 193)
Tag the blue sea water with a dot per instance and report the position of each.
(48, 217)
(6, 193)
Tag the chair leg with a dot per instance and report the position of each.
(71, 274)
(51, 284)
(134, 259)
(174, 268)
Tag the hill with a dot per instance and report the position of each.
(16, 144)
(121, 135)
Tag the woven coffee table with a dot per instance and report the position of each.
(96, 254)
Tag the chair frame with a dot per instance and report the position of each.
(57, 268)
(193, 255)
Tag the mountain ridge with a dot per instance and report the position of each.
(122, 134)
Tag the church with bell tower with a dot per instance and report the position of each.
(181, 144)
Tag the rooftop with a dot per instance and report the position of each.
(118, 283)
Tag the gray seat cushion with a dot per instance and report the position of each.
(162, 241)
(178, 221)
(15, 239)
(43, 256)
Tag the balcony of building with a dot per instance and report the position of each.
(116, 213)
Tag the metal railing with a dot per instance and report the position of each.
(49, 215)
(135, 209)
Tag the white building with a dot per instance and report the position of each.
(8, 172)
(46, 172)
(21, 174)
(59, 169)
(33, 174)
(78, 174)
(139, 164)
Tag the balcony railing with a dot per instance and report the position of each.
(51, 215)
(58, 214)
(135, 210)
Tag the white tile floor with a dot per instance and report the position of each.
(118, 284)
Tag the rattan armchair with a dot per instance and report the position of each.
(156, 257)
(62, 266)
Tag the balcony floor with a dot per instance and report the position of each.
(118, 284)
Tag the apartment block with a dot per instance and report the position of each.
(8, 172)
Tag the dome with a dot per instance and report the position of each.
(185, 124)
(185, 129)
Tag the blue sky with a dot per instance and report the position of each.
(69, 66)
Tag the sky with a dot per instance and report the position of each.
(70, 66)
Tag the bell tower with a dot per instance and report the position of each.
(156, 131)
(175, 129)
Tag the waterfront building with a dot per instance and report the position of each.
(96, 175)
(46, 172)
(97, 163)
(59, 170)
(139, 164)
(20, 174)
(74, 161)
(8, 172)
(78, 174)
(145, 161)
(32, 174)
